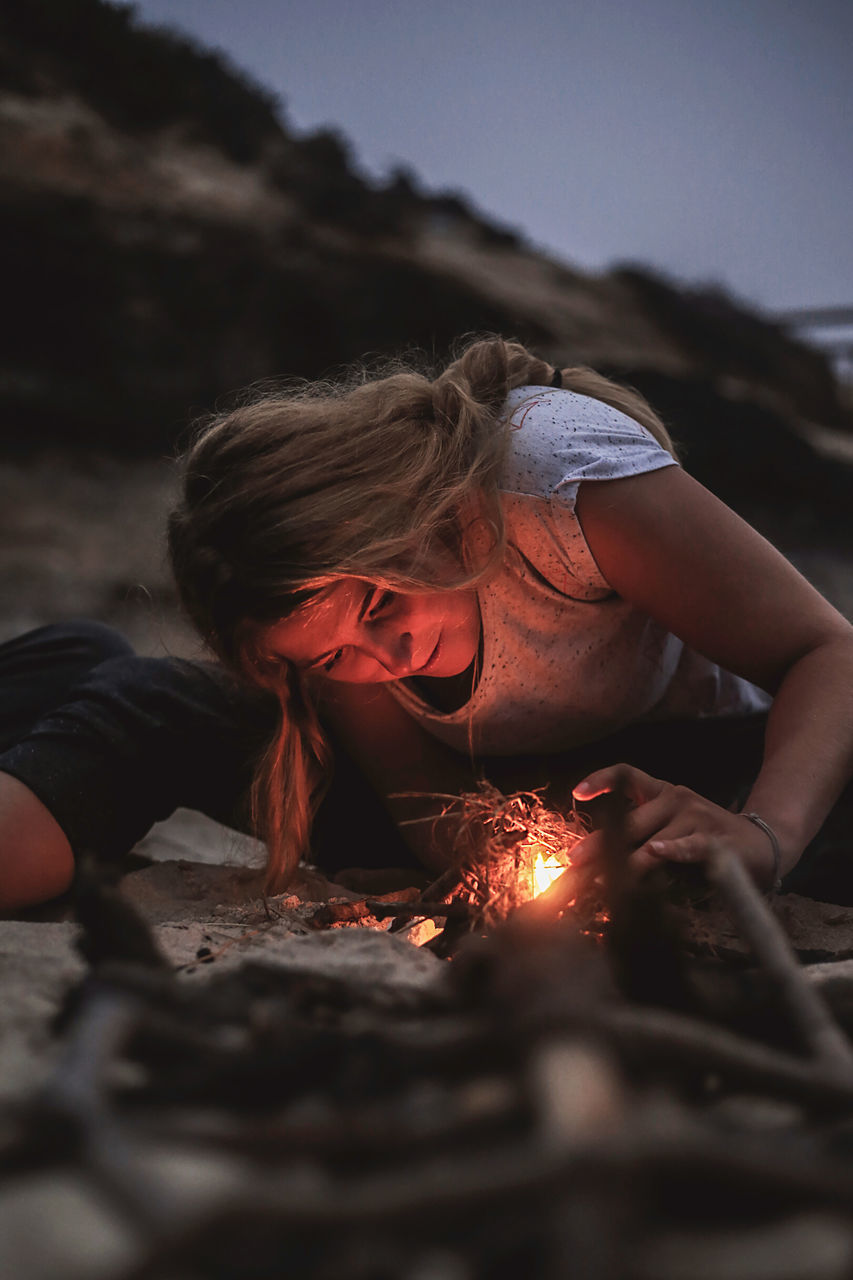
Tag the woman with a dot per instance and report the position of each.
(501, 561)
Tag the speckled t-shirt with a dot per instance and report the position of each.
(566, 660)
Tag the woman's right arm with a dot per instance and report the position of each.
(36, 862)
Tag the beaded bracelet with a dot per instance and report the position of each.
(758, 821)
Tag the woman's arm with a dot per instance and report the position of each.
(670, 547)
(134, 740)
(36, 862)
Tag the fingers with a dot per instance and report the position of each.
(679, 826)
(656, 818)
(668, 822)
(665, 847)
(636, 785)
(655, 832)
(648, 817)
(688, 848)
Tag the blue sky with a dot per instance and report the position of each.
(709, 138)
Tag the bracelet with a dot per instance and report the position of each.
(758, 821)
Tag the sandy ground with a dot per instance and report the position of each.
(83, 536)
(201, 897)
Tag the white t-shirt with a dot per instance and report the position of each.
(565, 660)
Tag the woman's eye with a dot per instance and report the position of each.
(332, 661)
(379, 603)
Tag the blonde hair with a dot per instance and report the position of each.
(369, 476)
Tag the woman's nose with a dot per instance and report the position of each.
(393, 648)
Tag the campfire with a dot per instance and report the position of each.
(513, 849)
(520, 847)
(589, 1076)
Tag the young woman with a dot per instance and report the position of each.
(504, 561)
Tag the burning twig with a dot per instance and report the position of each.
(350, 912)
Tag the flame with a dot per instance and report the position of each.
(545, 872)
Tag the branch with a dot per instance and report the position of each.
(807, 1008)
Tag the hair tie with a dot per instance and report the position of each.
(557, 380)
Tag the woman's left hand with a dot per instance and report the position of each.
(672, 823)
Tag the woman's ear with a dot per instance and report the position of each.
(255, 658)
(479, 534)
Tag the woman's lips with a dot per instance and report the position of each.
(431, 660)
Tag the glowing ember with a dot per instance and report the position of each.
(545, 872)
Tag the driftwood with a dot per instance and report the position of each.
(551, 1103)
(808, 1012)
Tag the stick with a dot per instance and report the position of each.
(655, 1035)
(808, 1010)
(340, 913)
(518, 1176)
(428, 910)
(441, 889)
(76, 1093)
(557, 897)
(346, 912)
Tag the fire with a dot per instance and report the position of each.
(545, 872)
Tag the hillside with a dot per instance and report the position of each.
(166, 238)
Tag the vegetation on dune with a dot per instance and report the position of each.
(139, 78)
(143, 289)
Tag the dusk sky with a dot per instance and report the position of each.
(709, 138)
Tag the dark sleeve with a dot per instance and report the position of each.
(137, 739)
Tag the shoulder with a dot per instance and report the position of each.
(559, 438)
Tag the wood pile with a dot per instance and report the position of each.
(656, 1097)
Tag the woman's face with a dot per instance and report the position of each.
(360, 633)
